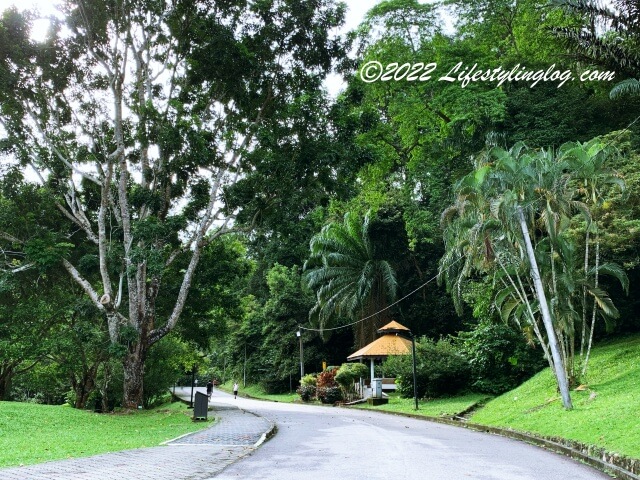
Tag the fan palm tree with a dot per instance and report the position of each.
(348, 279)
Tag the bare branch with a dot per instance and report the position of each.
(86, 286)
(10, 238)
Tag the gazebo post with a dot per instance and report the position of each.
(372, 373)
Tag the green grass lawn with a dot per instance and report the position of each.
(431, 408)
(606, 414)
(256, 391)
(32, 433)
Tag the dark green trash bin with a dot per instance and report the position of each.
(201, 406)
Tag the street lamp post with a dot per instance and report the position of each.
(413, 354)
(299, 335)
(403, 333)
(193, 374)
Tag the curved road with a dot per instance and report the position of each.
(315, 442)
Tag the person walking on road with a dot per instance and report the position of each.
(235, 390)
(209, 389)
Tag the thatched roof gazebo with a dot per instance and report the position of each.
(390, 343)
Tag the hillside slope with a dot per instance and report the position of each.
(606, 413)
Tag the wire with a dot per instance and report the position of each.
(527, 204)
(379, 311)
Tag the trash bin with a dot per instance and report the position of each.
(376, 388)
(201, 406)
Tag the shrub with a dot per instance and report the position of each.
(499, 357)
(347, 375)
(306, 392)
(440, 369)
(329, 395)
(309, 379)
(327, 378)
(328, 390)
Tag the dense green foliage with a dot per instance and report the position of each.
(441, 370)
(238, 203)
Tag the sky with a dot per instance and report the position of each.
(334, 83)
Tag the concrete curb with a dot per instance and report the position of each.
(273, 429)
(607, 466)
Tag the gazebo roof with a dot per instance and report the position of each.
(388, 344)
(393, 327)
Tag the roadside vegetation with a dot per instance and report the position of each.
(235, 221)
(605, 409)
(437, 407)
(32, 433)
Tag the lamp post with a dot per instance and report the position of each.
(193, 374)
(413, 354)
(299, 335)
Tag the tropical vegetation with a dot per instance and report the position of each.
(181, 198)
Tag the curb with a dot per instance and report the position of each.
(266, 435)
(605, 466)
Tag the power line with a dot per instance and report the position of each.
(379, 311)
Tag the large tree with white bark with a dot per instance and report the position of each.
(137, 116)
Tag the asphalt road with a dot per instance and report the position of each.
(316, 442)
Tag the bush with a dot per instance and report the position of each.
(440, 370)
(329, 395)
(328, 390)
(309, 379)
(499, 357)
(327, 378)
(347, 375)
(306, 392)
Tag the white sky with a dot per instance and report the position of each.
(355, 14)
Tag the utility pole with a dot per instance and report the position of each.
(299, 334)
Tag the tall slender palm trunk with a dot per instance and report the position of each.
(558, 364)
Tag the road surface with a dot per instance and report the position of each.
(315, 442)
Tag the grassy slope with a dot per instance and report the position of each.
(432, 408)
(606, 414)
(37, 433)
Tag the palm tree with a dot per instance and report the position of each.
(588, 162)
(607, 37)
(509, 196)
(347, 278)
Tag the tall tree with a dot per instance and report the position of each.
(510, 219)
(349, 279)
(608, 34)
(139, 117)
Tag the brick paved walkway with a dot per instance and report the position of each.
(196, 456)
(234, 427)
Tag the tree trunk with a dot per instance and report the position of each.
(593, 313)
(558, 364)
(6, 374)
(133, 377)
(85, 386)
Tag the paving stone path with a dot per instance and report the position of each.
(195, 456)
(234, 427)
